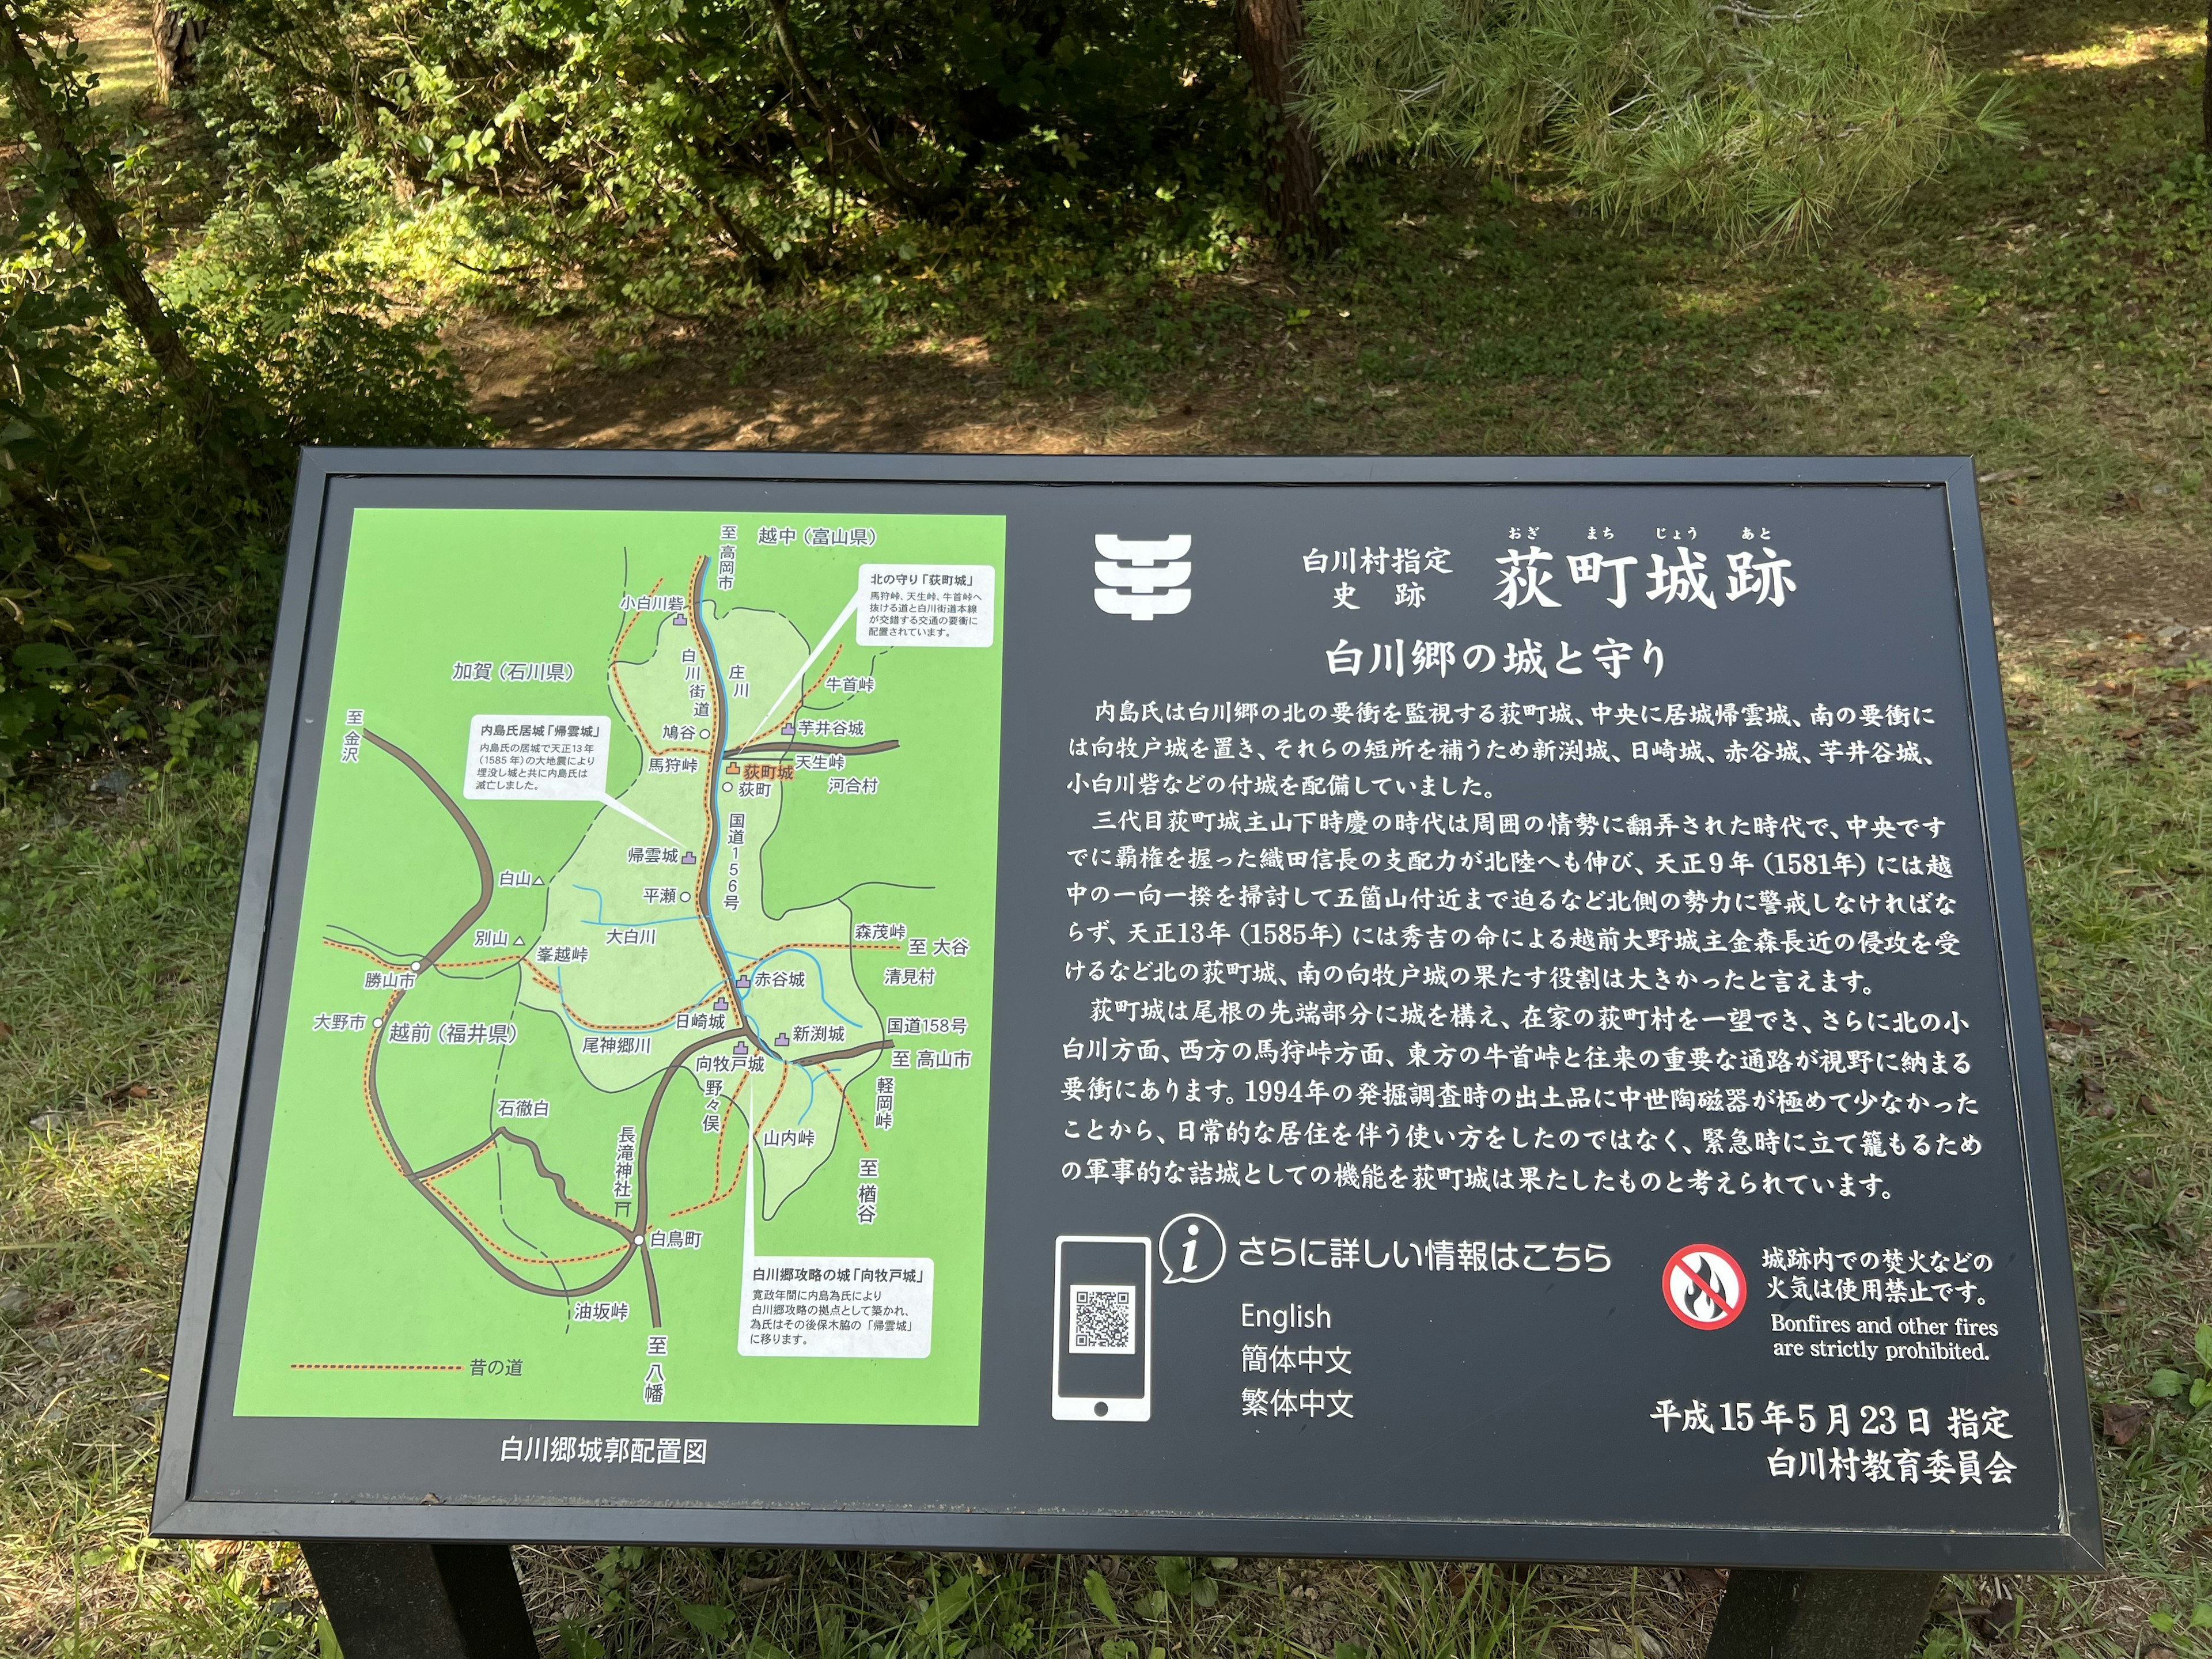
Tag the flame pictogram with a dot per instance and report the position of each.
(1705, 1286)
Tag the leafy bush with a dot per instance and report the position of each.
(138, 582)
(679, 157)
(674, 152)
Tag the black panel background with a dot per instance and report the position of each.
(1503, 1406)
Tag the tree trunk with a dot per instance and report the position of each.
(118, 263)
(1270, 33)
(177, 40)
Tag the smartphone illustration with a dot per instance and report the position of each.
(1102, 1329)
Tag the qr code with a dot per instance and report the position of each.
(1104, 1319)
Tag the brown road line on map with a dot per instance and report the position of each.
(883, 747)
(645, 1141)
(419, 1179)
(653, 1113)
(422, 1179)
(476, 846)
(697, 599)
(829, 1054)
(438, 1172)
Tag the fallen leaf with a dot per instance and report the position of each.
(2094, 1102)
(6, 1030)
(1705, 1581)
(2069, 1027)
(755, 1586)
(1995, 1622)
(2124, 1422)
(123, 1091)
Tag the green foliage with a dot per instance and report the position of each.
(945, 1608)
(710, 1622)
(678, 159)
(1180, 1578)
(272, 288)
(1101, 1597)
(1762, 123)
(2193, 1385)
(138, 583)
(675, 152)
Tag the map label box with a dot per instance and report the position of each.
(837, 1307)
(536, 757)
(926, 603)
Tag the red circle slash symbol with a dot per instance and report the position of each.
(1705, 1286)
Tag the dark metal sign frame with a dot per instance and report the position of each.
(2067, 1540)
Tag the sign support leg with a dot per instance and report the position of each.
(422, 1601)
(1769, 1614)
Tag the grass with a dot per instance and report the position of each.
(111, 1026)
(117, 918)
(2115, 774)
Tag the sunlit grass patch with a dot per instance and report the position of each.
(118, 44)
(2122, 46)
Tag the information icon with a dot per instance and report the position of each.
(1192, 1248)
(1705, 1286)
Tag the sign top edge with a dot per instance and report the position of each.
(1260, 470)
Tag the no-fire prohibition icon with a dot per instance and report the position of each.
(1705, 1286)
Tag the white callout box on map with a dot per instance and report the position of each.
(536, 757)
(543, 757)
(926, 604)
(836, 1306)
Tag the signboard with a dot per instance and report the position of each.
(1450, 1007)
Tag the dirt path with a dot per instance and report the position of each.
(2053, 571)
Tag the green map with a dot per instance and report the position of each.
(637, 1058)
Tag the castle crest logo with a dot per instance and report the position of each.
(1143, 579)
